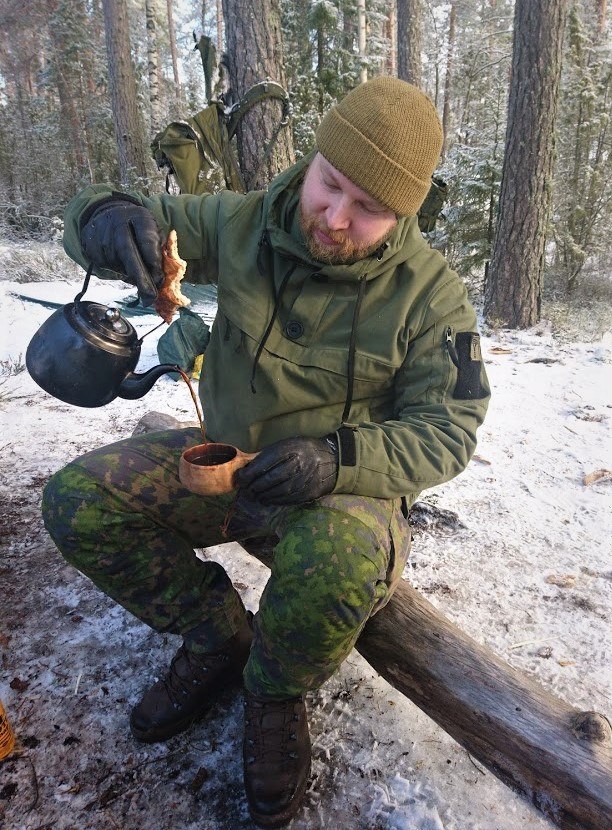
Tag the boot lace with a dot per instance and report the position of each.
(271, 729)
(186, 671)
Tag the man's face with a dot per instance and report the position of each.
(341, 222)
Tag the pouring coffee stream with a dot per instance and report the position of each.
(185, 377)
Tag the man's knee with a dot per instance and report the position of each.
(70, 507)
(330, 565)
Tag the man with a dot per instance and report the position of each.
(345, 351)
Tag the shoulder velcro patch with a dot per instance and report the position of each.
(469, 366)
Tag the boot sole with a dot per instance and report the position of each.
(161, 734)
(269, 822)
(154, 736)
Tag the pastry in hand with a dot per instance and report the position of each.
(169, 297)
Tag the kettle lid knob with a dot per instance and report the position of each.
(113, 316)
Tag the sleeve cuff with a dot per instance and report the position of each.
(348, 467)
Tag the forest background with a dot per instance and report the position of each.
(78, 107)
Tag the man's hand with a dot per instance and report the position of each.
(291, 471)
(124, 237)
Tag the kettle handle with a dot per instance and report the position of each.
(79, 296)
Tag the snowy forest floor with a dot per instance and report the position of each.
(527, 573)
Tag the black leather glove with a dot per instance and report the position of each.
(291, 471)
(124, 237)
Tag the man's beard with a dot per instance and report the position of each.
(344, 253)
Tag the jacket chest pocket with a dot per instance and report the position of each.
(371, 378)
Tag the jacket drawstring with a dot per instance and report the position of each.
(351, 354)
(264, 243)
(266, 334)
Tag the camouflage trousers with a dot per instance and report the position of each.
(121, 516)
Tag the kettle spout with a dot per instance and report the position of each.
(136, 385)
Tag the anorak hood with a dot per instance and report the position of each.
(284, 235)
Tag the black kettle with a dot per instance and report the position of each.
(85, 354)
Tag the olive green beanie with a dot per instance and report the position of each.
(385, 136)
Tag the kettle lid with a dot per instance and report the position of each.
(105, 322)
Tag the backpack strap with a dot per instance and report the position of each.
(205, 46)
(257, 94)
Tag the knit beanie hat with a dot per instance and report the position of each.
(386, 137)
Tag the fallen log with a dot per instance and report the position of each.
(553, 754)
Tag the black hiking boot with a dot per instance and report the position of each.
(276, 754)
(190, 687)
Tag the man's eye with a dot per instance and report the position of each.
(371, 209)
(330, 185)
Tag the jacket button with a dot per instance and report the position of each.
(294, 329)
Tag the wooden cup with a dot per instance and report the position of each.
(208, 469)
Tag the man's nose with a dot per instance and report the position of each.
(338, 215)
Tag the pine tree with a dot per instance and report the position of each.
(129, 128)
(513, 291)
(255, 53)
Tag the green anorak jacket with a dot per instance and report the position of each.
(383, 351)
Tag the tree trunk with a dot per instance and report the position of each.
(153, 65)
(254, 49)
(87, 85)
(219, 27)
(601, 16)
(448, 80)
(393, 45)
(349, 29)
(128, 123)
(409, 40)
(361, 36)
(493, 189)
(86, 130)
(74, 147)
(556, 756)
(172, 39)
(514, 287)
(65, 74)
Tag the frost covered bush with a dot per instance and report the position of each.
(16, 222)
(584, 314)
(36, 262)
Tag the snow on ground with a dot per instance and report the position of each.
(530, 576)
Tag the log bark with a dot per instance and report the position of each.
(553, 754)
